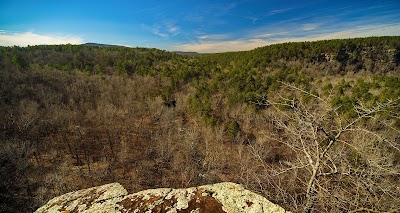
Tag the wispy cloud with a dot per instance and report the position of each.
(215, 10)
(29, 38)
(230, 6)
(156, 31)
(274, 12)
(224, 9)
(172, 28)
(166, 29)
(365, 31)
(254, 19)
(308, 27)
(212, 46)
(268, 35)
(215, 37)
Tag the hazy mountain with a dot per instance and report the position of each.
(185, 53)
(101, 45)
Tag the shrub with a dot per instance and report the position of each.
(232, 128)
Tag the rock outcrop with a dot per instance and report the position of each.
(221, 197)
(96, 199)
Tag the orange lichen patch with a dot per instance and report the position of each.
(65, 211)
(165, 205)
(137, 203)
(204, 203)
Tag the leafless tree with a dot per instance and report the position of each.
(342, 164)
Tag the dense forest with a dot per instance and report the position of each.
(312, 126)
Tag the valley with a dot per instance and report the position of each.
(311, 126)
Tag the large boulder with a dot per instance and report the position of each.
(221, 197)
(86, 200)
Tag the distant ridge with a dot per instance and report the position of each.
(101, 45)
(185, 53)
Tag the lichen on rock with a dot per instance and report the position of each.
(216, 198)
(82, 200)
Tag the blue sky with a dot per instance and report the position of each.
(187, 25)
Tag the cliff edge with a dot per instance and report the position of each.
(221, 197)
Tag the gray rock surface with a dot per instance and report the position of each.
(86, 199)
(221, 197)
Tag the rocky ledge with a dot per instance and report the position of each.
(221, 197)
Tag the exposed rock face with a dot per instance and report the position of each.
(221, 197)
(87, 200)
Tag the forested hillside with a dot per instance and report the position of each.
(312, 126)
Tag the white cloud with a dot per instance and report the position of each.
(253, 19)
(267, 35)
(366, 31)
(212, 46)
(172, 28)
(29, 38)
(156, 31)
(214, 37)
(166, 29)
(308, 27)
(203, 37)
(274, 12)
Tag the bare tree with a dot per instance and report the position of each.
(336, 171)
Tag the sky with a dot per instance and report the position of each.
(203, 26)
